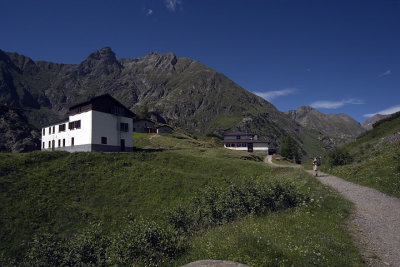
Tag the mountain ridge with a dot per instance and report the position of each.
(340, 128)
(185, 92)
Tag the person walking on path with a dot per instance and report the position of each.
(315, 166)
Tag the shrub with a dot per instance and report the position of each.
(145, 244)
(339, 157)
(396, 160)
(139, 244)
(214, 206)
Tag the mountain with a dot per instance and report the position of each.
(16, 134)
(368, 124)
(185, 92)
(339, 128)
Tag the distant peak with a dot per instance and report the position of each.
(306, 108)
(103, 61)
(155, 53)
(106, 49)
(105, 53)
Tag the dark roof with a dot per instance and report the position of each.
(93, 99)
(160, 126)
(144, 120)
(55, 122)
(236, 133)
(244, 141)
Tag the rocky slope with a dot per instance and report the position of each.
(338, 128)
(16, 134)
(186, 93)
(368, 124)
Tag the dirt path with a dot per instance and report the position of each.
(268, 160)
(375, 224)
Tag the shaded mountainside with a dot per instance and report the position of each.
(338, 128)
(16, 134)
(368, 124)
(188, 94)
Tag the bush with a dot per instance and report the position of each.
(139, 244)
(396, 160)
(214, 206)
(339, 157)
(145, 244)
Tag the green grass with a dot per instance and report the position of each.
(309, 235)
(378, 168)
(376, 161)
(283, 162)
(61, 194)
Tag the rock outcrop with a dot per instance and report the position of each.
(16, 134)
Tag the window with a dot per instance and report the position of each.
(116, 110)
(43, 145)
(44, 132)
(74, 125)
(228, 145)
(104, 140)
(54, 129)
(49, 130)
(49, 144)
(239, 145)
(59, 142)
(78, 124)
(72, 141)
(63, 142)
(61, 128)
(124, 127)
(238, 137)
(244, 145)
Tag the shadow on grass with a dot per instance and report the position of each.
(152, 150)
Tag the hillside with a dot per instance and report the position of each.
(16, 134)
(375, 157)
(336, 128)
(175, 200)
(186, 93)
(368, 124)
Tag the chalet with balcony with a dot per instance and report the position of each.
(244, 142)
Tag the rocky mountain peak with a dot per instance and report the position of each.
(164, 61)
(100, 62)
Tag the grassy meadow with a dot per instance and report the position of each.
(173, 201)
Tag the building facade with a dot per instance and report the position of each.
(100, 124)
(244, 142)
(144, 126)
(164, 129)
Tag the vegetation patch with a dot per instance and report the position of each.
(372, 160)
(164, 208)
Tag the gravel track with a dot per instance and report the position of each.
(375, 223)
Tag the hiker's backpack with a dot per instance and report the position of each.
(318, 162)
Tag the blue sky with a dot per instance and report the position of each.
(338, 56)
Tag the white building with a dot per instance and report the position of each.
(100, 124)
(244, 142)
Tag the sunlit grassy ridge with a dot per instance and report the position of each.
(376, 158)
(106, 208)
